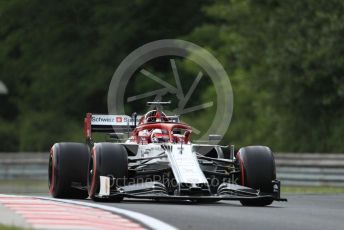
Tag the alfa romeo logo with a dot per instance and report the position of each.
(209, 67)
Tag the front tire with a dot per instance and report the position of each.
(107, 159)
(257, 166)
(68, 163)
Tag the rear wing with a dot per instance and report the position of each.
(107, 124)
(104, 123)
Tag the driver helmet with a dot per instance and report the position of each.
(157, 136)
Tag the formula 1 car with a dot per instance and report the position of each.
(158, 161)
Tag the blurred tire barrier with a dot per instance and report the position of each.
(292, 169)
(310, 169)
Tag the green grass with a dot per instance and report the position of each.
(312, 189)
(5, 227)
(23, 186)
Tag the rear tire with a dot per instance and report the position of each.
(68, 164)
(257, 166)
(107, 159)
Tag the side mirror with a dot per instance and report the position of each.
(214, 137)
(187, 136)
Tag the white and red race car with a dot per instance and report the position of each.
(158, 161)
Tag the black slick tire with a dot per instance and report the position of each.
(107, 159)
(257, 166)
(68, 165)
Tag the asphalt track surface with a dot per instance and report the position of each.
(307, 212)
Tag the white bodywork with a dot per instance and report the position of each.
(181, 159)
(185, 165)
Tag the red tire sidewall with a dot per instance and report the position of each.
(92, 188)
(52, 179)
(242, 169)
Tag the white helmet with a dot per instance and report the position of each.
(155, 138)
(157, 131)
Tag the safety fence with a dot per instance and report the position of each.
(31, 166)
(292, 169)
(310, 169)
